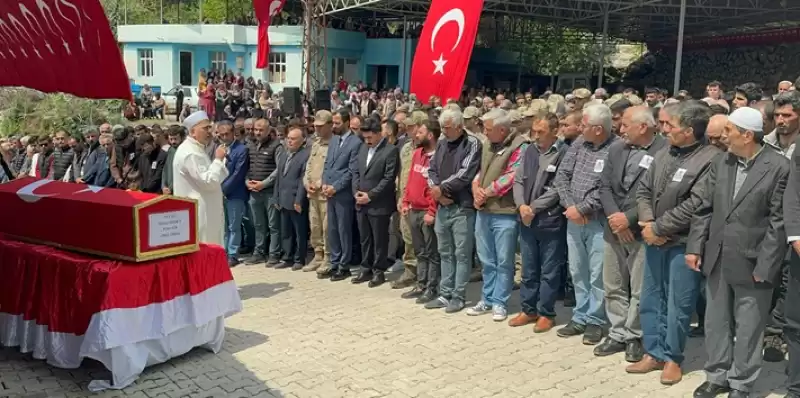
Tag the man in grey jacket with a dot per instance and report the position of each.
(669, 195)
(623, 263)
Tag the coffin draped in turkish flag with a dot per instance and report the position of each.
(265, 10)
(123, 225)
(444, 49)
(61, 45)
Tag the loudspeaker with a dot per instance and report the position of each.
(292, 101)
(322, 100)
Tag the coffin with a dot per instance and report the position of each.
(123, 225)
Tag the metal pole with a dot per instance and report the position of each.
(200, 6)
(125, 12)
(602, 60)
(679, 51)
(519, 71)
(403, 66)
(161, 12)
(227, 17)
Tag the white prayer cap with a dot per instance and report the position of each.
(747, 118)
(194, 119)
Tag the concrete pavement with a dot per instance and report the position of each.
(303, 337)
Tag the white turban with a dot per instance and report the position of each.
(194, 119)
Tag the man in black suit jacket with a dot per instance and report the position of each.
(291, 199)
(739, 234)
(377, 166)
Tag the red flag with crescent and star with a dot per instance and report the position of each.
(444, 49)
(61, 46)
(265, 10)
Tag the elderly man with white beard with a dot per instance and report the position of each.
(200, 178)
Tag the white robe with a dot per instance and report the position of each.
(197, 177)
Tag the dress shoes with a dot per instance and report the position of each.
(522, 319)
(646, 365)
(709, 390)
(283, 265)
(430, 294)
(413, 293)
(378, 278)
(672, 374)
(363, 276)
(634, 351)
(297, 267)
(738, 394)
(340, 275)
(608, 347)
(544, 324)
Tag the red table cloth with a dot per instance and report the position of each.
(65, 306)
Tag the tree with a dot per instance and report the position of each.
(549, 49)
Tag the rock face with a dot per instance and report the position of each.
(765, 65)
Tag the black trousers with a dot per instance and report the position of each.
(791, 330)
(777, 320)
(294, 235)
(374, 234)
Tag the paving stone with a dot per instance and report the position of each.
(306, 338)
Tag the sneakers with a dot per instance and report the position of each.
(479, 309)
(572, 329)
(455, 305)
(499, 314)
(439, 302)
(592, 335)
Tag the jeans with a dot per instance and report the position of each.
(455, 234)
(496, 236)
(267, 223)
(586, 250)
(544, 254)
(669, 294)
(234, 211)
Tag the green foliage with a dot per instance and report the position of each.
(549, 49)
(176, 12)
(26, 111)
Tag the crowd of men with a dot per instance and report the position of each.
(648, 206)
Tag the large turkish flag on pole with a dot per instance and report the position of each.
(61, 45)
(444, 49)
(265, 10)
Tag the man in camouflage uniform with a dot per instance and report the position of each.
(411, 123)
(312, 180)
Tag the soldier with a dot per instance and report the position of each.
(312, 180)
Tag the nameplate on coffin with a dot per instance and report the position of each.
(123, 225)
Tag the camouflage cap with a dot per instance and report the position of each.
(417, 118)
(537, 108)
(323, 117)
(471, 112)
(582, 93)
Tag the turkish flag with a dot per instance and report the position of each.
(444, 49)
(61, 45)
(265, 10)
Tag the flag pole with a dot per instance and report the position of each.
(161, 12)
(200, 2)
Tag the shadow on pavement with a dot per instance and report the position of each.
(262, 290)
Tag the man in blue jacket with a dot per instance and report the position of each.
(337, 179)
(234, 188)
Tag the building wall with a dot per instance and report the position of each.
(348, 54)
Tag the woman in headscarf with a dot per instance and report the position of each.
(207, 100)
